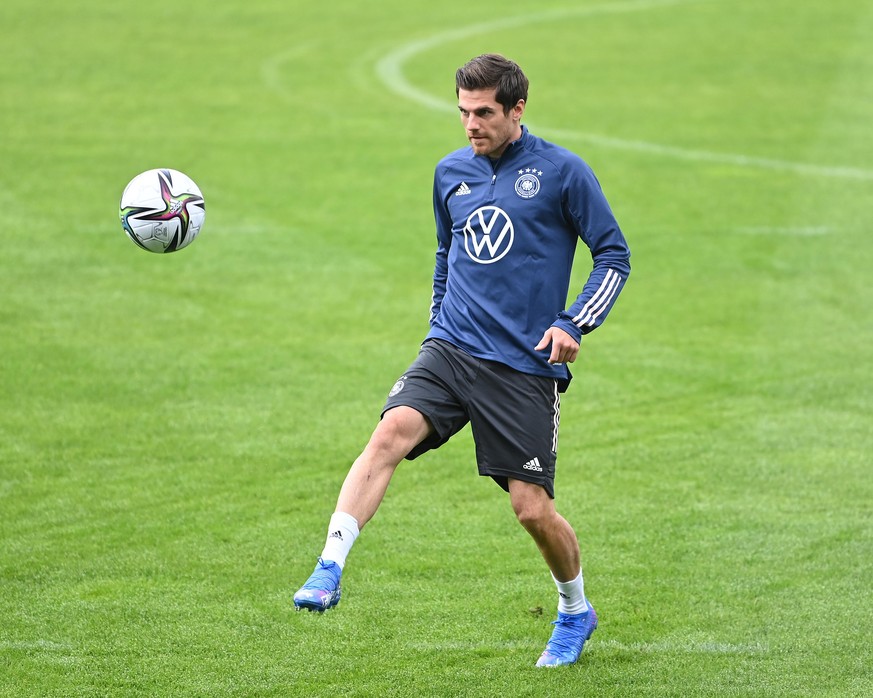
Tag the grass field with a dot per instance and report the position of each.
(174, 429)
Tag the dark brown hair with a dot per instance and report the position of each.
(490, 71)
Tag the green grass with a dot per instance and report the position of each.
(174, 430)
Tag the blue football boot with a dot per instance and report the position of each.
(569, 636)
(322, 590)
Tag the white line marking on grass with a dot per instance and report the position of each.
(663, 647)
(670, 647)
(470, 646)
(793, 231)
(271, 70)
(389, 70)
(27, 645)
(800, 168)
(390, 67)
(254, 229)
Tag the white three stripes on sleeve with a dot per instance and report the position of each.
(600, 300)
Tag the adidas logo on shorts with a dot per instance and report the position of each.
(533, 465)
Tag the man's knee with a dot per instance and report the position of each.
(532, 505)
(400, 430)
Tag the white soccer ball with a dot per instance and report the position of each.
(162, 210)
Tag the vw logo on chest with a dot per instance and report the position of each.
(488, 234)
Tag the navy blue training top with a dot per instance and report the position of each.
(506, 237)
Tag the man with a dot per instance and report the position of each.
(509, 209)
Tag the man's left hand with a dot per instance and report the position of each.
(565, 349)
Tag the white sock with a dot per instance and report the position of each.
(341, 534)
(571, 596)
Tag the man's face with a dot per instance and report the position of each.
(488, 128)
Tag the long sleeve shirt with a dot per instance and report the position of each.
(506, 232)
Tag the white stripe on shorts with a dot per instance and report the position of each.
(556, 420)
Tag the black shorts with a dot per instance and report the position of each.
(514, 416)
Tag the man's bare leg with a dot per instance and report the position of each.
(399, 431)
(559, 547)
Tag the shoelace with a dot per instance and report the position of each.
(323, 578)
(563, 639)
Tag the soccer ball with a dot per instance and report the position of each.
(162, 210)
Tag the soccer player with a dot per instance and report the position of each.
(509, 210)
